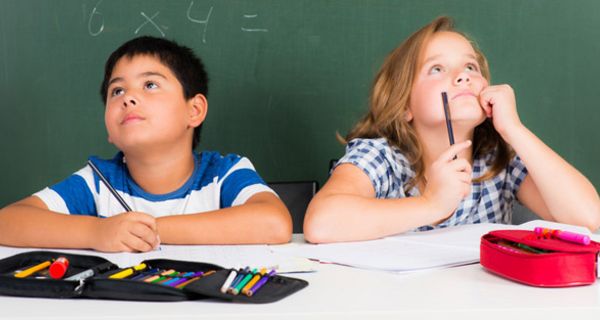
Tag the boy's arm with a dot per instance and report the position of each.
(263, 218)
(29, 223)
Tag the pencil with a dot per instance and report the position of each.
(109, 186)
(448, 119)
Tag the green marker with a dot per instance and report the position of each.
(242, 283)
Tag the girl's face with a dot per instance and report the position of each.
(448, 63)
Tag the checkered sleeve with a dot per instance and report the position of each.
(370, 156)
(515, 174)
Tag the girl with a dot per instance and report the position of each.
(399, 172)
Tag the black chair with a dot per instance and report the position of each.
(296, 195)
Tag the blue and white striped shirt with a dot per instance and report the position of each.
(217, 182)
(389, 171)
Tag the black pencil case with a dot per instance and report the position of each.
(100, 286)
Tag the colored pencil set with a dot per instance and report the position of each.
(246, 281)
(166, 277)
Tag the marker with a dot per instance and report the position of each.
(127, 272)
(58, 268)
(244, 281)
(91, 272)
(228, 281)
(563, 235)
(448, 119)
(238, 278)
(260, 283)
(27, 272)
(254, 280)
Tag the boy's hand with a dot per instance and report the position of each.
(499, 103)
(128, 231)
(448, 181)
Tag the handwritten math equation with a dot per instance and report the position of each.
(96, 21)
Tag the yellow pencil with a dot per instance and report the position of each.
(34, 269)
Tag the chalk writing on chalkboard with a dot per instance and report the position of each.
(151, 21)
(96, 22)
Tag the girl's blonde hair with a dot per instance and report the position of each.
(390, 97)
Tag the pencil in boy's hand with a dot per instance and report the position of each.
(109, 186)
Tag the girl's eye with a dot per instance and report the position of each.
(435, 69)
(150, 85)
(117, 92)
(472, 67)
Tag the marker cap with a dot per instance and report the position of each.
(58, 268)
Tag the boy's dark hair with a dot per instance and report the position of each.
(181, 60)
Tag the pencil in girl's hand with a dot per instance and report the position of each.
(448, 119)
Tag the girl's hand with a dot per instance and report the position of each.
(448, 181)
(128, 231)
(498, 102)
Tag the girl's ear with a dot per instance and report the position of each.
(408, 116)
(198, 107)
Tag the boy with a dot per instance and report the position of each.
(155, 96)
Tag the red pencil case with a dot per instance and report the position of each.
(525, 257)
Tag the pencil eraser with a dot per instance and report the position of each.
(59, 267)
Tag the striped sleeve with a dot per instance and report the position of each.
(239, 182)
(71, 196)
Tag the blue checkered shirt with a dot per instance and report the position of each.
(389, 171)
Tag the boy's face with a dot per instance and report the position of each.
(146, 108)
(448, 64)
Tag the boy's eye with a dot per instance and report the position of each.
(435, 69)
(150, 85)
(117, 92)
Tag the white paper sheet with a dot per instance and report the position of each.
(413, 251)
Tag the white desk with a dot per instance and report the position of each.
(337, 292)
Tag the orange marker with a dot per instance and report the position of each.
(253, 281)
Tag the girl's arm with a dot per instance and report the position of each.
(346, 209)
(262, 219)
(553, 189)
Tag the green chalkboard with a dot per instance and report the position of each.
(285, 74)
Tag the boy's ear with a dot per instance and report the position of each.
(198, 107)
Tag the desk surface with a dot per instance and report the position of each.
(338, 292)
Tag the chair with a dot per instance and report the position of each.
(296, 195)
